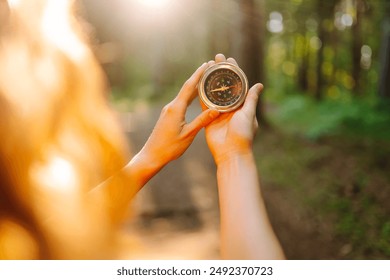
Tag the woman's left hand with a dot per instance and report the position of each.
(172, 135)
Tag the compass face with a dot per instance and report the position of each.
(223, 87)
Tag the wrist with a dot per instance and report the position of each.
(143, 166)
(233, 156)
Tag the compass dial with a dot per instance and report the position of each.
(223, 87)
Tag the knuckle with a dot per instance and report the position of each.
(189, 133)
(187, 83)
(179, 102)
(203, 118)
(167, 109)
(190, 83)
(255, 126)
(253, 95)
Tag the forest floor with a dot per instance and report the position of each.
(327, 199)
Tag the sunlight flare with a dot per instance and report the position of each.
(155, 4)
(57, 174)
(57, 28)
(13, 3)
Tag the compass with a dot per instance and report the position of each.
(223, 87)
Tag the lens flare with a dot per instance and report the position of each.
(155, 4)
(57, 28)
(13, 3)
(57, 174)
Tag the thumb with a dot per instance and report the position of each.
(202, 120)
(249, 107)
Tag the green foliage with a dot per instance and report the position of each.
(357, 117)
(331, 156)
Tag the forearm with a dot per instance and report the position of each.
(143, 167)
(118, 190)
(246, 232)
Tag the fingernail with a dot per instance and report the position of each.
(202, 65)
(259, 87)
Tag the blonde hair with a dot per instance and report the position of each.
(59, 136)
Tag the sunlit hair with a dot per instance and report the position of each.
(59, 138)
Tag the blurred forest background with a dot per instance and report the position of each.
(323, 149)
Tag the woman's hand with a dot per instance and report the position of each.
(232, 133)
(172, 135)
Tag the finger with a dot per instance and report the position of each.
(189, 90)
(210, 63)
(204, 107)
(220, 58)
(232, 60)
(201, 121)
(251, 100)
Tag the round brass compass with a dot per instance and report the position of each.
(223, 87)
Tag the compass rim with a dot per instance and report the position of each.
(232, 67)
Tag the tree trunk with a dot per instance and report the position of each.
(325, 11)
(320, 52)
(213, 32)
(303, 67)
(384, 82)
(356, 48)
(252, 47)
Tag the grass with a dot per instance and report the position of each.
(333, 158)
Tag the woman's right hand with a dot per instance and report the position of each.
(232, 133)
